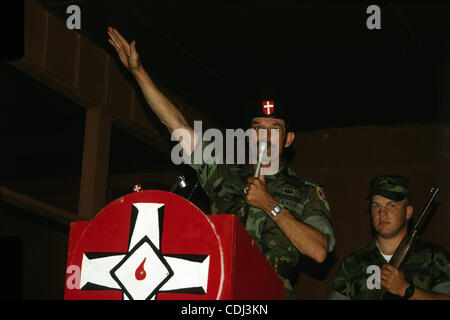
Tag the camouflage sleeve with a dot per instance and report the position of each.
(207, 172)
(317, 214)
(341, 289)
(441, 272)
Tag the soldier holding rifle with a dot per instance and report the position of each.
(423, 274)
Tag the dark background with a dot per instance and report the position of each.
(365, 102)
(318, 57)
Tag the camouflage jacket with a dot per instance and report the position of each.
(224, 185)
(427, 266)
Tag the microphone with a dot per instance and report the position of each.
(181, 182)
(262, 150)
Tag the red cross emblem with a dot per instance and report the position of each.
(147, 245)
(268, 107)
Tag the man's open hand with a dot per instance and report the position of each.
(127, 52)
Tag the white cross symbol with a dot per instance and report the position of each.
(268, 106)
(144, 271)
(137, 188)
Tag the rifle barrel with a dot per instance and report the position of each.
(434, 191)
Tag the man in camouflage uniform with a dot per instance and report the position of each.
(287, 215)
(425, 272)
(305, 214)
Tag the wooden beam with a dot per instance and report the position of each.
(94, 173)
(41, 208)
(77, 68)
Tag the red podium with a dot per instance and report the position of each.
(156, 245)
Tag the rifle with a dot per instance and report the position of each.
(405, 245)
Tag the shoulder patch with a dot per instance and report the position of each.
(321, 194)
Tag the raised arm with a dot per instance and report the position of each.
(164, 109)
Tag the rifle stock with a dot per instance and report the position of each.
(402, 251)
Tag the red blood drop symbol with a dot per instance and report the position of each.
(140, 273)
